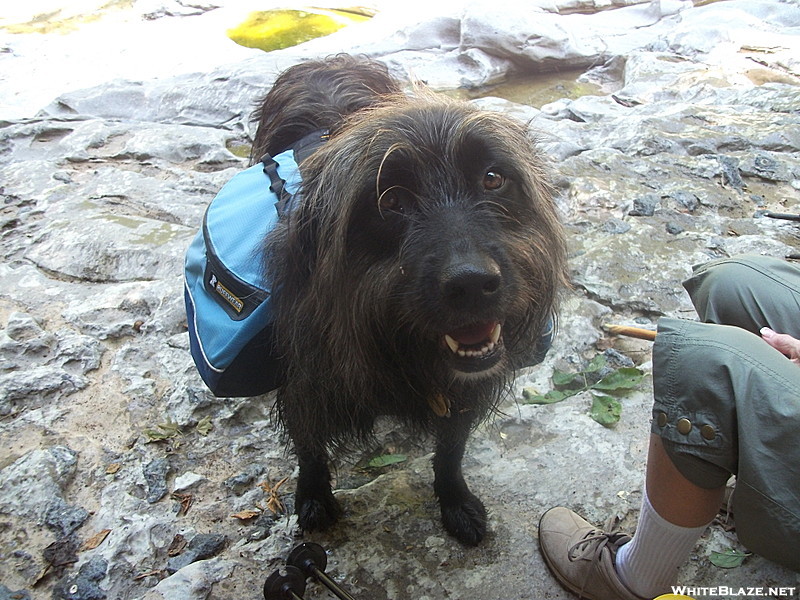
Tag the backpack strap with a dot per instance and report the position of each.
(302, 150)
(277, 184)
(309, 144)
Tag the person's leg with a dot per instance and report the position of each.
(675, 512)
(719, 392)
(674, 497)
(726, 403)
(748, 291)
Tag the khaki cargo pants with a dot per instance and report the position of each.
(728, 403)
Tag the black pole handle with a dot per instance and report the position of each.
(311, 560)
(287, 583)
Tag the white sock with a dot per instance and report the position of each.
(648, 564)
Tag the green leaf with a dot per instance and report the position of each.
(606, 410)
(385, 460)
(551, 397)
(205, 426)
(596, 364)
(730, 559)
(153, 435)
(170, 427)
(563, 379)
(626, 378)
(165, 431)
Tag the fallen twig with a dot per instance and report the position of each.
(636, 332)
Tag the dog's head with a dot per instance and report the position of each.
(427, 227)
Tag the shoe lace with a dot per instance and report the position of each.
(590, 547)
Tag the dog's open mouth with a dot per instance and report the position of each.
(476, 347)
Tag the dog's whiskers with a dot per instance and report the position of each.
(503, 209)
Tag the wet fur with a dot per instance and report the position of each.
(359, 309)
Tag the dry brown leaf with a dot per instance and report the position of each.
(185, 501)
(113, 468)
(158, 573)
(94, 541)
(177, 545)
(274, 502)
(244, 515)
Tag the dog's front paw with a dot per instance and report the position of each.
(466, 520)
(317, 513)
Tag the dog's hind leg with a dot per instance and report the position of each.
(315, 505)
(463, 514)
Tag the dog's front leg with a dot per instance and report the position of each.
(463, 514)
(315, 505)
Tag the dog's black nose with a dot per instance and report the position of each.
(471, 284)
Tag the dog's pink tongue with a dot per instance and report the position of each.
(473, 334)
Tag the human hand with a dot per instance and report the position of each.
(783, 343)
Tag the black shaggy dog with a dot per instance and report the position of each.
(415, 274)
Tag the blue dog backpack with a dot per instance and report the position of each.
(226, 294)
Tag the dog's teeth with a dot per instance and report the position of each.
(463, 352)
(452, 343)
(495, 335)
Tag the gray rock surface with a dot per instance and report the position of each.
(691, 128)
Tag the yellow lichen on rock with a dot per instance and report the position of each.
(275, 29)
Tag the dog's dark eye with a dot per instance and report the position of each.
(390, 201)
(395, 200)
(493, 180)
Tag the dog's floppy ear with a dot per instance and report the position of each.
(295, 249)
(317, 228)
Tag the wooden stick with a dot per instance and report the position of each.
(636, 332)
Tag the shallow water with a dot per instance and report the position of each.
(536, 89)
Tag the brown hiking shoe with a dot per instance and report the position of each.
(582, 556)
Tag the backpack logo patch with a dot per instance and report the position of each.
(232, 299)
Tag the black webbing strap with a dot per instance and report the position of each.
(308, 144)
(277, 185)
(302, 150)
